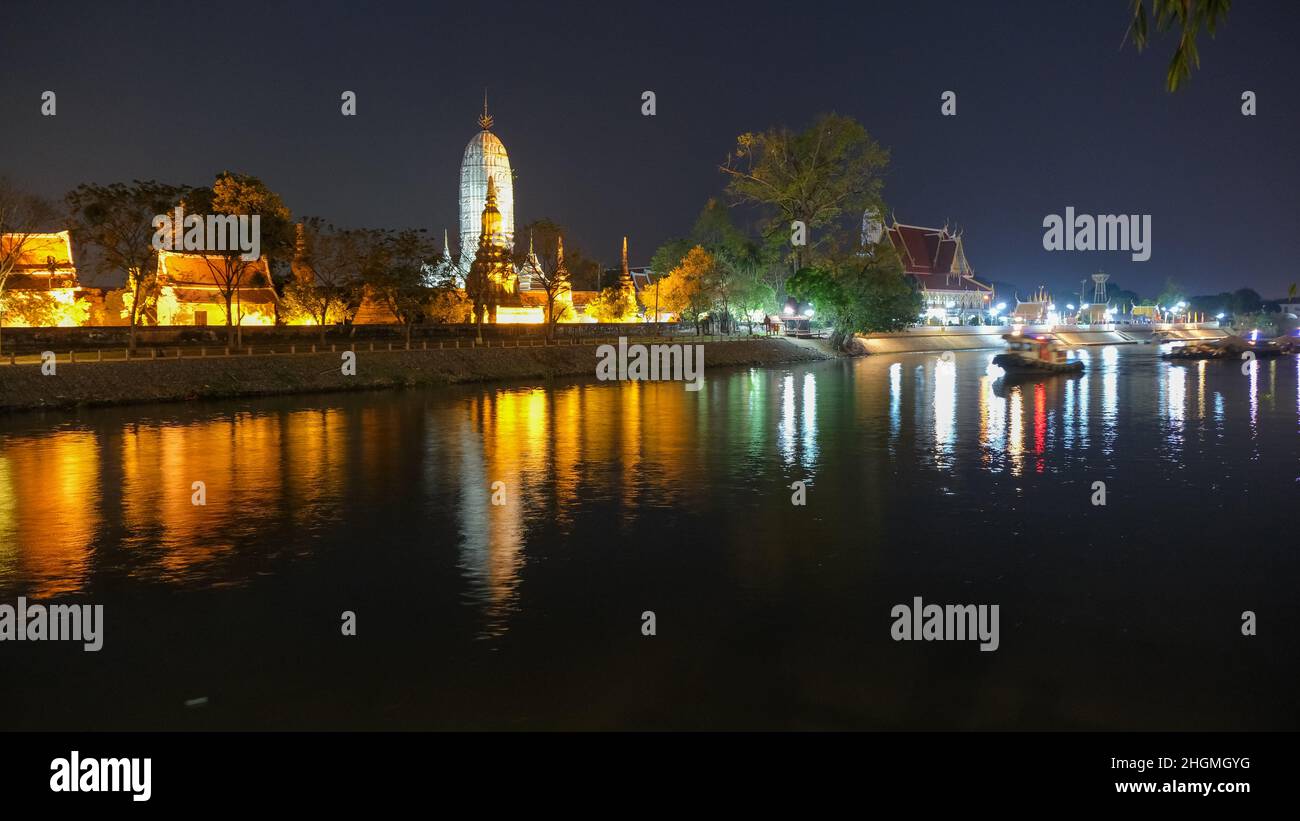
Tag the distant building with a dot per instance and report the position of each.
(1037, 310)
(935, 259)
(190, 291)
(42, 286)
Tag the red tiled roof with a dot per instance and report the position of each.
(934, 256)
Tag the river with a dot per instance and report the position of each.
(922, 477)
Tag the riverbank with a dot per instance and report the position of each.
(927, 339)
(94, 384)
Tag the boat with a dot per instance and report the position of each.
(1229, 347)
(1039, 353)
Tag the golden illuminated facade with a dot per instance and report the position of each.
(190, 291)
(495, 270)
(42, 287)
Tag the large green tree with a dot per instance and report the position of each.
(859, 292)
(825, 177)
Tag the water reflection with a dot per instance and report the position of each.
(945, 411)
(49, 509)
(111, 495)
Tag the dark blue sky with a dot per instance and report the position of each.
(1051, 112)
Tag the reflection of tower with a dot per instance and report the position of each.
(1099, 292)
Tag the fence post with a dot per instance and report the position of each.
(203, 351)
(72, 356)
(293, 349)
(99, 354)
(153, 353)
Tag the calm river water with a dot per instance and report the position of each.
(923, 478)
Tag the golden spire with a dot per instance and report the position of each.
(490, 226)
(625, 268)
(559, 250)
(485, 122)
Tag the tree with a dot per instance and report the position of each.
(822, 177)
(613, 305)
(551, 273)
(684, 290)
(22, 216)
(1172, 294)
(118, 220)
(1191, 16)
(751, 293)
(1246, 301)
(44, 309)
(395, 271)
(859, 293)
(327, 273)
(242, 195)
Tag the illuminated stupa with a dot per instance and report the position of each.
(485, 158)
(491, 270)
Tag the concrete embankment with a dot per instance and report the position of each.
(24, 387)
(972, 338)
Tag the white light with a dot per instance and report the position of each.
(1218, 316)
(788, 310)
(1069, 307)
(1002, 306)
(808, 312)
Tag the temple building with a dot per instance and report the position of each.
(493, 269)
(189, 291)
(1039, 309)
(935, 259)
(485, 159)
(42, 286)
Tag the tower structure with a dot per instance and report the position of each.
(491, 273)
(485, 157)
(1099, 289)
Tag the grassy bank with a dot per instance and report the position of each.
(87, 384)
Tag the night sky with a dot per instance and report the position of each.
(1051, 112)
